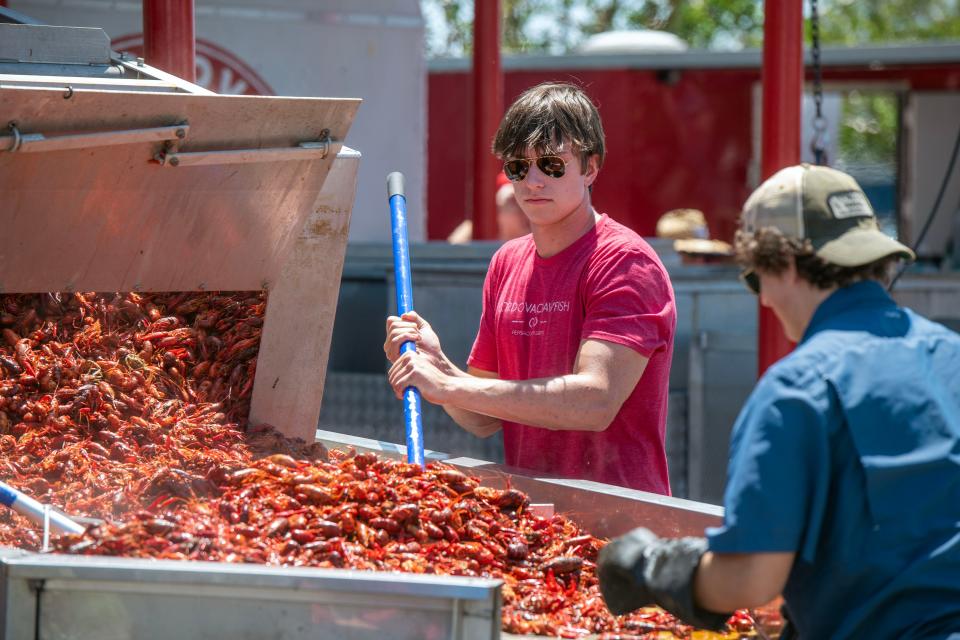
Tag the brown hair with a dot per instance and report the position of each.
(546, 116)
(768, 250)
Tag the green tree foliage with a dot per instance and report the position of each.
(449, 27)
(858, 22)
(515, 16)
(559, 26)
(704, 24)
(868, 129)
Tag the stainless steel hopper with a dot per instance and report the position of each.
(118, 177)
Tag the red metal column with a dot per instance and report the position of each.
(780, 144)
(487, 111)
(168, 37)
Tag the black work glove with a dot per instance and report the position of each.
(639, 569)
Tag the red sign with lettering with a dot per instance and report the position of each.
(217, 69)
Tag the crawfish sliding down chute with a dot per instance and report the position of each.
(404, 286)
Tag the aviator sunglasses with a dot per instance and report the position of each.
(518, 168)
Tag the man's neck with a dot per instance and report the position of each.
(554, 238)
(806, 305)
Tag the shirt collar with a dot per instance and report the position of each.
(859, 295)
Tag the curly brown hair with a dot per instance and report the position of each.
(768, 250)
(545, 117)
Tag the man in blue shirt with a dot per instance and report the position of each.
(843, 489)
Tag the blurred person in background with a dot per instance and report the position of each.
(843, 484)
(511, 223)
(691, 237)
(572, 358)
(683, 224)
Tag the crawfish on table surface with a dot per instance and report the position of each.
(361, 512)
(131, 408)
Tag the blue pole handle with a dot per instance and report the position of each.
(404, 286)
(34, 511)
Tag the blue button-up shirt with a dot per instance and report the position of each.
(847, 454)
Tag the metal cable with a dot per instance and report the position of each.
(933, 211)
(817, 143)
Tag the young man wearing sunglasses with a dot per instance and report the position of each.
(572, 358)
(843, 488)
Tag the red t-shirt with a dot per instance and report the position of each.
(608, 285)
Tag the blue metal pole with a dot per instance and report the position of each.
(401, 269)
(34, 511)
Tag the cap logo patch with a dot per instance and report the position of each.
(849, 204)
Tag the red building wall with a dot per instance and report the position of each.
(671, 142)
(668, 145)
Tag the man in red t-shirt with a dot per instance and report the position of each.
(572, 359)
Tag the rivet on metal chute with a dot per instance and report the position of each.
(17, 138)
(168, 154)
(322, 143)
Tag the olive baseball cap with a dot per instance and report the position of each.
(828, 208)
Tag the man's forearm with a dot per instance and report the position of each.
(570, 402)
(729, 581)
(476, 423)
(604, 376)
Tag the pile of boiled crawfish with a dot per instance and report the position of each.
(131, 409)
